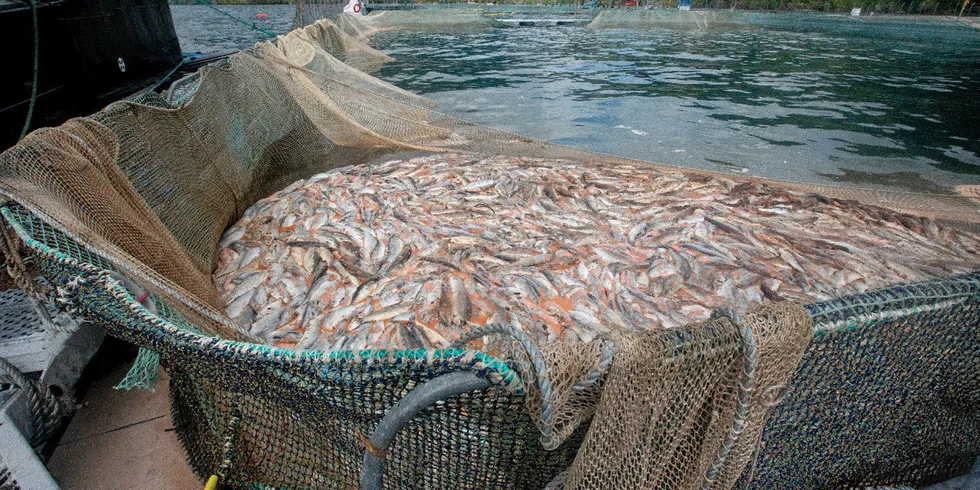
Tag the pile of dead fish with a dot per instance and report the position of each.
(411, 254)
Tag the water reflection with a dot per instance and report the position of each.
(887, 111)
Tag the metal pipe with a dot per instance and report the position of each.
(419, 399)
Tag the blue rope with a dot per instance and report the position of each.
(746, 387)
(250, 24)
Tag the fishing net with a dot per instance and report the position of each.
(301, 45)
(697, 400)
(144, 189)
(309, 11)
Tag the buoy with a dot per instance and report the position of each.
(353, 7)
(261, 16)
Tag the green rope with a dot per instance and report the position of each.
(37, 55)
(250, 24)
(143, 373)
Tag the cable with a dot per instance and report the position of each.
(37, 55)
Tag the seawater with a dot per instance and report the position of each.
(880, 107)
(203, 29)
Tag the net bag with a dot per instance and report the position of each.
(135, 199)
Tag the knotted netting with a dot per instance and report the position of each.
(145, 188)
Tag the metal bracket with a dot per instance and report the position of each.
(440, 388)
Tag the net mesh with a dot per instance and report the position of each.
(882, 391)
(834, 426)
(697, 399)
(145, 189)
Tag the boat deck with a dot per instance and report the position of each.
(122, 440)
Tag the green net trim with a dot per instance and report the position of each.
(143, 374)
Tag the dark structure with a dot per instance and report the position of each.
(89, 53)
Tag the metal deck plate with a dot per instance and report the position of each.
(22, 336)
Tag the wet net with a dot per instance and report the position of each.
(137, 196)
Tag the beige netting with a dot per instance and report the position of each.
(269, 116)
(676, 409)
(69, 175)
(351, 50)
(358, 26)
(971, 191)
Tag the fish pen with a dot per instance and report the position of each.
(350, 289)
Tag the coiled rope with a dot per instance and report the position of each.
(43, 407)
(539, 370)
(745, 389)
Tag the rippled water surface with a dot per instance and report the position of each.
(879, 107)
(203, 29)
(879, 111)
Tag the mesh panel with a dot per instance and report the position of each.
(669, 19)
(897, 376)
(696, 399)
(910, 346)
(479, 440)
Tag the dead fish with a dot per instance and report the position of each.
(398, 254)
(267, 323)
(312, 328)
(389, 312)
(232, 235)
(249, 283)
(478, 185)
(238, 305)
(636, 231)
(612, 256)
(454, 303)
(414, 253)
(410, 337)
(433, 337)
